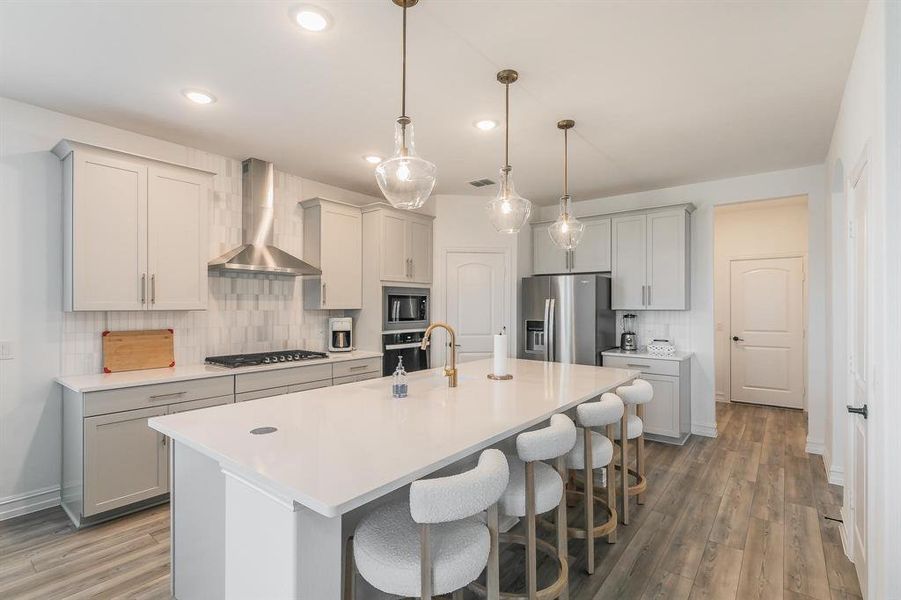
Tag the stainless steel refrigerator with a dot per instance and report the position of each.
(566, 318)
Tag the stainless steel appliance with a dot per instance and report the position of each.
(340, 334)
(408, 346)
(264, 358)
(628, 340)
(405, 308)
(566, 318)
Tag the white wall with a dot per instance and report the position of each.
(245, 312)
(737, 234)
(805, 181)
(868, 128)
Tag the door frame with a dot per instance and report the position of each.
(509, 294)
(847, 511)
(804, 313)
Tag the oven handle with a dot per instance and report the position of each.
(402, 346)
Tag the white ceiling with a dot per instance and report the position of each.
(663, 93)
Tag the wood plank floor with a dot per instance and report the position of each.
(740, 516)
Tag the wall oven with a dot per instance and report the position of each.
(405, 308)
(406, 346)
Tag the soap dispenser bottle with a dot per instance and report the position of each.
(399, 380)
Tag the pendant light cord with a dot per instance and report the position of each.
(403, 84)
(566, 162)
(507, 127)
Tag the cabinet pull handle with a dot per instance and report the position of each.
(638, 366)
(357, 367)
(323, 294)
(153, 289)
(649, 295)
(412, 269)
(164, 396)
(643, 295)
(164, 440)
(143, 288)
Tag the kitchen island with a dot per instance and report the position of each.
(265, 493)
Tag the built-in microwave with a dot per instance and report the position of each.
(405, 308)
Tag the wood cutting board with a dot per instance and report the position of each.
(136, 350)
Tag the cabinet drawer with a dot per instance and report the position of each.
(110, 401)
(356, 367)
(262, 380)
(313, 385)
(245, 396)
(355, 378)
(205, 403)
(645, 365)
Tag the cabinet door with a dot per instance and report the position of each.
(593, 252)
(546, 256)
(419, 250)
(661, 415)
(125, 461)
(341, 255)
(109, 233)
(177, 239)
(394, 248)
(628, 261)
(667, 274)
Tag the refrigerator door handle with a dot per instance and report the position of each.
(551, 342)
(546, 331)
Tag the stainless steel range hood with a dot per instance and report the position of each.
(257, 254)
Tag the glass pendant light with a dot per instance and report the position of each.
(405, 179)
(508, 210)
(566, 231)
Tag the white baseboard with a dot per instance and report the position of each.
(815, 447)
(29, 502)
(705, 429)
(846, 545)
(836, 476)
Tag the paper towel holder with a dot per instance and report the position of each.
(506, 377)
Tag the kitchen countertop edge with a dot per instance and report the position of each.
(126, 379)
(679, 355)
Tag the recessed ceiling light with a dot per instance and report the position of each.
(312, 18)
(372, 159)
(486, 124)
(199, 96)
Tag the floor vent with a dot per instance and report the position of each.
(481, 182)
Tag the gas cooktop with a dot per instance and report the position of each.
(264, 358)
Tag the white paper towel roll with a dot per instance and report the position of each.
(500, 355)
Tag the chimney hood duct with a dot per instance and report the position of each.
(257, 254)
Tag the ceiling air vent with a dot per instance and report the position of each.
(481, 182)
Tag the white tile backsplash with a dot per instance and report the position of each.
(673, 325)
(246, 313)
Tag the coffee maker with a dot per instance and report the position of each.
(340, 334)
(628, 341)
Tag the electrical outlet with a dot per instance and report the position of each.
(7, 352)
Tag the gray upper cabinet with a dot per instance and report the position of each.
(402, 241)
(333, 241)
(591, 256)
(651, 259)
(547, 258)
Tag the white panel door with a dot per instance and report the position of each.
(666, 261)
(394, 248)
(177, 239)
(341, 253)
(419, 250)
(629, 262)
(858, 328)
(661, 415)
(546, 256)
(125, 461)
(766, 306)
(593, 253)
(109, 220)
(478, 301)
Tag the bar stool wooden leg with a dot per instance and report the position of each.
(457, 595)
(639, 457)
(492, 576)
(589, 501)
(562, 546)
(611, 485)
(425, 562)
(349, 571)
(624, 458)
(531, 545)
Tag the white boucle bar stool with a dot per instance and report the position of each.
(636, 394)
(436, 543)
(595, 451)
(535, 488)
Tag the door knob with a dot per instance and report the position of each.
(858, 411)
(735, 338)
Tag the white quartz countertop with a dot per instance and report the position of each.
(340, 447)
(643, 353)
(111, 381)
